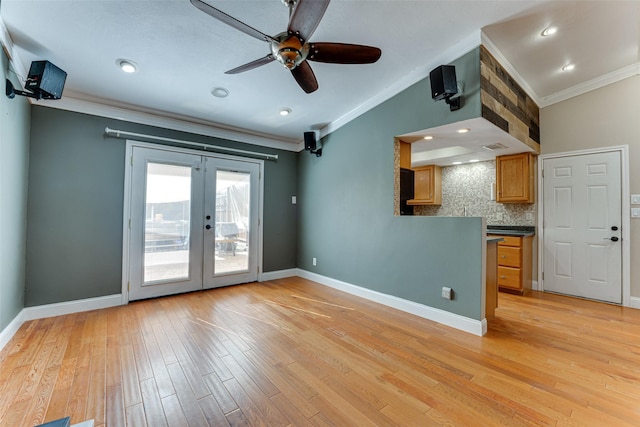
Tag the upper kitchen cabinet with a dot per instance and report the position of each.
(427, 186)
(515, 178)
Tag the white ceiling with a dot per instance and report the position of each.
(182, 55)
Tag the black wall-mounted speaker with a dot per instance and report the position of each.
(310, 141)
(45, 80)
(443, 82)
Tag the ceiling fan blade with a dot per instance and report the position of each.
(343, 53)
(306, 17)
(305, 77)
(230, 20)
(251, 65)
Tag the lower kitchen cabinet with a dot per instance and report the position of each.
(515, 264)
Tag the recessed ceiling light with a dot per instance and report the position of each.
(127, 66)
(474, 161)
(428, 137)
(568, 67)
(285, 111)
(220, 92)
(549, 31)
(465, 130)
(457, 163)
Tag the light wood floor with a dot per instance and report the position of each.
(291, 352)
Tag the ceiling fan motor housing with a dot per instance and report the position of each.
(289, 50)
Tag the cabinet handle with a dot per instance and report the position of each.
(503, 256)
(503, 277)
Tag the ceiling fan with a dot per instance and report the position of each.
(292, 47)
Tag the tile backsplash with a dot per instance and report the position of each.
(466, 189)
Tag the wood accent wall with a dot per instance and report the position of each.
(505, 104)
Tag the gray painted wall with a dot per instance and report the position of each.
(346, 207)
(75, 203)
(14, 160)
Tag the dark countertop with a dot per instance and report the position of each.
(511, 230)
(494, 239)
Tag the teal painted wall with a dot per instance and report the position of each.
(75, 204)
(14, 160)
(346, 207)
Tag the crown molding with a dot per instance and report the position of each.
(515, 75)
(461, 48)
(563, 95)
(10, 50)
(151, 118)
(593, 84)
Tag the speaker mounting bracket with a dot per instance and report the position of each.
(11, 92)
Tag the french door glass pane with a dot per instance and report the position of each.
(167, 222)
(232, 221)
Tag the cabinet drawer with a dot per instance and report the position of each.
(510, 241)
(509, 277)
(509, 256)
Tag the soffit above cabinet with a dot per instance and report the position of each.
(482, 142)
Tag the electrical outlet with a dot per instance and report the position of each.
(314, 261)
(447, 293)
(499, 216)
(294, 200)
(528, 216)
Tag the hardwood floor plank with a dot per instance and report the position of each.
(154, 414)
(291, 352)
(130, 381)
(173, 412)
(220, 394)
(212, 412)
(188, 400)
(135, 416)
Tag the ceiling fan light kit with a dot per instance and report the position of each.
(291, 48)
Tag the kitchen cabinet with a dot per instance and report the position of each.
(515, 178)
(515, 263)
(427, 189)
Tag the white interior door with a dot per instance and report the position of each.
(582, 251)
(193, 222)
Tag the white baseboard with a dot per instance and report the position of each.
(69, 307)
(466, 324)
(7, 333)
(280, 274)
(535, 286)
(634, 302)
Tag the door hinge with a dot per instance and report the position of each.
(131, 160)
(128, 286)
(129, 223)
(197, 166)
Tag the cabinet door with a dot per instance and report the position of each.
(509, 256)
(514, 178)
(509, 277)
(428, 185)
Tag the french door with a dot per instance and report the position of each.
(192, 222)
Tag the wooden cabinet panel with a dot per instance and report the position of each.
(515, 261)
(515, 178)
(509, 256)
(509, 277)
(427, 186)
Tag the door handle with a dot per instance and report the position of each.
(208, 227)
(613, 238)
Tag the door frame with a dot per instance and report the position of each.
(625, 213)
(126, 210)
